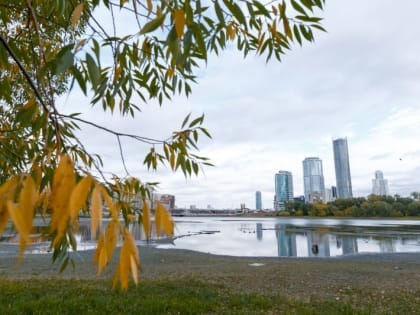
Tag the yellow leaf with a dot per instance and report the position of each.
(4, 217)
(146, 219)
(158, 221)
(131, 244)
(77, 12)
(62, 187)
(111, 206)
(129, 261)
(22, 213)
(99, 247)
(43, 200)
(7, 191)
(31, 103)
(19, 222)
(179, 19)
(37, 174)
(273, 28)
(95, 211)
(78, 196)
(287, 29)
(124, 266)
(102, 260)
(111, 238)
(170, 73)
(27, 199)
(165, 219)
(149, 7)
(230, 31)
(134, 270)
(172, 157)
(117, 73)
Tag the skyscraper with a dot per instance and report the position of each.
(342, 168)
(380, 185)
(283, 182)
(313, 179)
(258, 202)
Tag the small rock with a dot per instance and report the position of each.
(256, 265)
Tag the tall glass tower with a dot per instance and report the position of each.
(283, 182)
(342, 168)
(380, 185)
(258, 202)
(313, 179)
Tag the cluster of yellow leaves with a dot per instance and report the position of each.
(20, 197)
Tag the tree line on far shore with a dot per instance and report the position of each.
(371, 206)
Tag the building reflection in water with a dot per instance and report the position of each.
(318, 244)
(259, 232)
(386, 245)
(349, 244)
(286, 242)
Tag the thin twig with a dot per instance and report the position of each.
(116, 133)
(24, 72)
(122, 155)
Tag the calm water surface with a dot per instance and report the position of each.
(286, 237)
(295, 236)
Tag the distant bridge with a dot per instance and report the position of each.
(205, 212)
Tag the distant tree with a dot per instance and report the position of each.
(415, 195)
(48, 48)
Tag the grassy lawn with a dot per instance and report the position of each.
(181, 296)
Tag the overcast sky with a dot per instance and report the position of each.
(361, 80)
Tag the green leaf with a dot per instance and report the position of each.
(203, 130)
(64, 59)
(152, 25)
(262, 9)
(93, 70)
(195, 168)
(219, 13)
(79, 78)
(185, 120)
(196, 121)
(236, 11)
(297, 7)
(307, 3)
(297, 34)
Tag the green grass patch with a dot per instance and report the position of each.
(181, 296)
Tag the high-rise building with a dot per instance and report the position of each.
(342, 168)
(380, 185)
(283, 182)
(258, 201)
(330, 194)
(313, 180)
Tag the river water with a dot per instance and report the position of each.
(269, 237)
(299, 237)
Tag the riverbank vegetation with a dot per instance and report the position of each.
(372, 206)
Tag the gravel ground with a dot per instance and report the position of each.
(385, 274)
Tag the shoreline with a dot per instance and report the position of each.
(184, 262)
(371, 278)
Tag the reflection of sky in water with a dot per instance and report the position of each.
(286, 237)
(295, 237)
